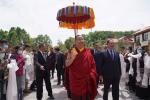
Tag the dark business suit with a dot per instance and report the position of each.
(42, 74)
(110, 68)
(95, 54)
(51, 60)
(60, 66)
(92, 52)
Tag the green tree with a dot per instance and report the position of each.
(87, 40)
(102, 36)
(17, 36)
(33, 43)
(69, 42)
(3, 34)
(61, 45)
(41, 39)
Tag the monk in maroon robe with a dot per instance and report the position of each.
(82, 72)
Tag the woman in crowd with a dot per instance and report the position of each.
(20, 72)
(3, 68)
(146, 76)
(123, 68)
(12, 83)
(130, 69)
(29, 68)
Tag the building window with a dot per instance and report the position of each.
(145, 36)
(137, 38)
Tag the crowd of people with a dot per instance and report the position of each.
(128, 70)
(23, 70)
(17, 70)
(80, 70)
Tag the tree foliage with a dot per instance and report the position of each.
(69, 42)
(61, 45)
(3, 34)
(99, 36)
(18, 36)
(41, 39)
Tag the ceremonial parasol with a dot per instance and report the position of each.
(76, 17)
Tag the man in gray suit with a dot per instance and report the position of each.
(110, 69)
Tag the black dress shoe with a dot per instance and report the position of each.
(51, 97)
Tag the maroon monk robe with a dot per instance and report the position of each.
(82, 76)
(66, 81)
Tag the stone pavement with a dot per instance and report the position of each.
(60, 93)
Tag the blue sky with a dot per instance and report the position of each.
(39, 16)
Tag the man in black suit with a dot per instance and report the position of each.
(51, 59)
(110, 69)
(95, 52)
(96, 48)
(60, 59)
(42, 72)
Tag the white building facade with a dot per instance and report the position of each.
(143, 36)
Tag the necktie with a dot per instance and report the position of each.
(112, 54)
(44, 56)
(95, 51)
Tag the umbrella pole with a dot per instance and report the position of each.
(75, 33)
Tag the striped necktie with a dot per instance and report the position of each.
(112, 54)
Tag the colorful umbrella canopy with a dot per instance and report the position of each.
(88, 24)
(76, 17)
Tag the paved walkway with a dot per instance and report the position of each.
(60, 93)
